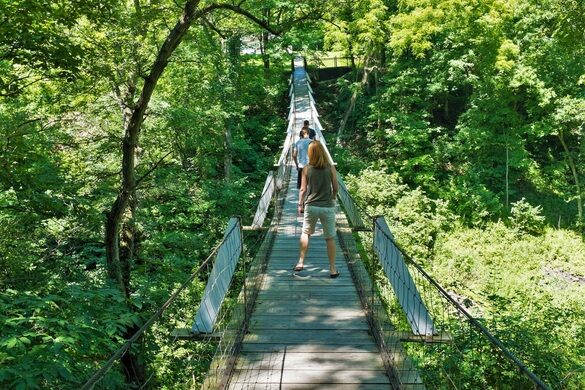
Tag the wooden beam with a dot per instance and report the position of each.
(254, 228)
(409, 337)
(188, 334)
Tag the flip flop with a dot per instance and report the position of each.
(298, 268)
(335, 275)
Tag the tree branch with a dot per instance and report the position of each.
(210, 25)
(238, 10)
(151, 169)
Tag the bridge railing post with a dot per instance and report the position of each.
(402, 283)
(220, 278)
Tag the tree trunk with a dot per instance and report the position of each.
(131, 138)
(351, 56)
(383, 57)
(265, 39)
(227, 160)
(352, 103)
(377, 79)
(264, 51)
(133, 360)
(119, 267)
(573, 167)
(234, 51)
(507, 177)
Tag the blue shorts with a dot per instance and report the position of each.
(325, 214)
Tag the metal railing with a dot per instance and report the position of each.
(232, 334)
(220, 279)
(142, 339)
(330, 62)
(454, 353)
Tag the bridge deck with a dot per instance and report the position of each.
(307, 330)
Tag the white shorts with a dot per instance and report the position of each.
(325, 214)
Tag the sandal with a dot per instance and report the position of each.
(335, 275)
(299, 267)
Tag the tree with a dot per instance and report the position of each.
(134, 115)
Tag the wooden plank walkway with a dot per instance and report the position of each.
(307, 331)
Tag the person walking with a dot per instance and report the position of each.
(301, 153)
(312, 132)
(317, 197)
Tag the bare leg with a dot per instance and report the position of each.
(303, 247)
(331, 254)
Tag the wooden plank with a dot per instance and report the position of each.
(315, 299)
(277, 306)
(368, 346)
(285, 273)
(279, 309)
(331, 337)
(314, 284)
(329, 377)
(365, 361)
(307, 322)
(300, 386)
(295, 294)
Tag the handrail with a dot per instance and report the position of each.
(349, 205)
(405, 289)
(537, 382)
(98, 375)
(264, 201)
(481, 328)
(220, 279)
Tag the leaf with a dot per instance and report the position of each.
(24, 340)
(12, 343)
(64, 373)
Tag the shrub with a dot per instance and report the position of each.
(527, 218)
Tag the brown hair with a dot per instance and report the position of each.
(318, 155)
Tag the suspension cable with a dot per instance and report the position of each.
(482, 329)
(95, 378)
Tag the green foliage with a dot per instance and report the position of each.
(414, 218)
(51, 339)
(527, 218)
(530, 289)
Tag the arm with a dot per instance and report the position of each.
(295, 157)
(334, 182)
(303, 191)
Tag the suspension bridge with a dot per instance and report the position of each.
(304, 330)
